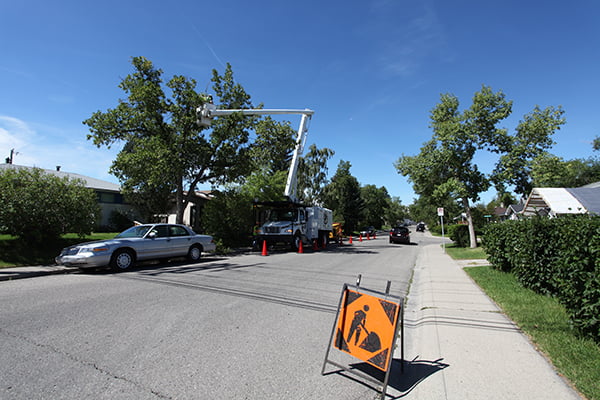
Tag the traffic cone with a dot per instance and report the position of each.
(368, 236)
(315, 245)
(350, 239)
(360, 238)
(264, 249)
(374, 235)
(300, 248)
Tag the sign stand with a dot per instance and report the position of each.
(380, 316)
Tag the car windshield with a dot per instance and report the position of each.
(283, 215)
(134, 232)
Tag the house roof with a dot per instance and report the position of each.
(558, 201)
(89, 182)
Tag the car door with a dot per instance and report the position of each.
(181, 240)
(158, 244)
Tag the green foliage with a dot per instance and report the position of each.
(312, 175)
(229, 217)
(164, 150)
(559, 257)
(37, 206)
(376, 200)
(459, 234)
(551, 171)
(343, 196)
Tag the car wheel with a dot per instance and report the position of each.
(122, 260)
(194, 253)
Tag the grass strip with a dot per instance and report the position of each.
(546, 322)
(465, 253)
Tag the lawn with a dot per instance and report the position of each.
(465, 253)
(16, 252)
(546, 322)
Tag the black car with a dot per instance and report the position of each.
(400, 234)
(421, 227)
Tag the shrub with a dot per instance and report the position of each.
(37, 206)
(460, 235)
(558, 257)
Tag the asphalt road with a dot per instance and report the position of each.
(242, 327)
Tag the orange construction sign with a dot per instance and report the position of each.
(366, 327)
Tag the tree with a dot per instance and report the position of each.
(445, 166)
(531, 140)
(395, 213)
(164, 149)
(342, 196)
(376, 200)
(548, 170)
(37, 206)
(312, 175)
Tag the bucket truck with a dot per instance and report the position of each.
(288, 222)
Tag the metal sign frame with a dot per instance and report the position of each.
(399, 327)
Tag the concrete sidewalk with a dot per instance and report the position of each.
(459, 345)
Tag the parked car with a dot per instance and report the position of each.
(400, 234)
(368, 231)
(138, 243)
(421, 227)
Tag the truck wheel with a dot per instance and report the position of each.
(296, 242)
(122, 259)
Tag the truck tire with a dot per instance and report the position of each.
(296, 241)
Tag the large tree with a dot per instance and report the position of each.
(445, 164)
(342, 195)
(376, 201)
(312, 175)
(164, 150)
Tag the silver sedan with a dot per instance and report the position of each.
(138, 243)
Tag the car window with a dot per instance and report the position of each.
(134, 231)
(161, 230)
(175, 230)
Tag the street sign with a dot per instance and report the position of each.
(440, 211)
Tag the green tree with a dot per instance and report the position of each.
(548, 170)
(37, 206)
(376, 201)
(312, 175)
(531, 140)
(395, 212)
(343, 197)
(445, 166)
(164, 149)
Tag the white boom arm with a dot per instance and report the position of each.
(208, 111)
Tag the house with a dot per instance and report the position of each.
(192, 213)
(109, 194)
(513, 211)
(555, 202)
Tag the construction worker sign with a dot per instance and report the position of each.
(366, 328)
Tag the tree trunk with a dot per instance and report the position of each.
(180, 204)
(472, 237)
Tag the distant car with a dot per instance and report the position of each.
(421, 227)
(138, 243)
(400, 234)
(368, 231)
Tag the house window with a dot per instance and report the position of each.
(111, 198)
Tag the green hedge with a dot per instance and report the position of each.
(558, 257)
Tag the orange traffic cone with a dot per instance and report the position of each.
(300, 248)
(315, 245)
(368, 236)
(264, 249)
(350, 239)
(374, 235)
(360, 238)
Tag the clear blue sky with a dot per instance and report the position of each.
(371, 70)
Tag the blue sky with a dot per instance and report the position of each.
(370, 70)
